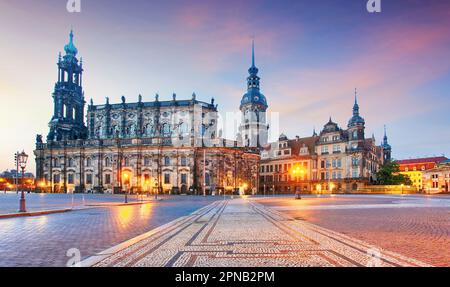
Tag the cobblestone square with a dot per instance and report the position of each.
(250, 231)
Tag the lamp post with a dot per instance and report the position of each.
(296, 172)
(125, 176)
(22, 160)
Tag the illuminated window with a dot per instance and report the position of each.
(166, 178)
(107, 178)
(89, 178)
(70, 178)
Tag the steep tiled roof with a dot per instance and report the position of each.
(422, 160)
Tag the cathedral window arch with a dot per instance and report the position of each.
(207, 179)
(55, 162)
(166, 129)
(70, 163)
(88, 162)
(184, 129)
(203, 129)
(166, 160)
(107, 162)
(183, 161)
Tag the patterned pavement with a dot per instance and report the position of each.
(45, 240)
(245, 233)
(9, 202)
(414, 226)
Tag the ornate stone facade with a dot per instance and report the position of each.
(163, 146)
(336, 160)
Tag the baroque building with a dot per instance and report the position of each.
(437, 179)
(336, 160)
(416, 169)
(145, 146)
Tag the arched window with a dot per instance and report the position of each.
(166, 160)
(166, 130)
(126, 161)
(184, 129)
(88, 162)
(147, 161)
(70, 163)
(203, 129)
(107, 162)
(55, 162)
(183, 161)
(207, 179)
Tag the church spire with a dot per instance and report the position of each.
(385, 138)
(70, 47)
(356, 119)
(253, 71)
(387, 149)
(253, 53)
(356, 106)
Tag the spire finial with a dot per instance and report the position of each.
(356, 96)
(70, 48)
(385, 138)
(253, 51)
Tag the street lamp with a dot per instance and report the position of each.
(296, 172)
(125, 177)
(22, 160)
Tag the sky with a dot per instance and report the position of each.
(311, 54)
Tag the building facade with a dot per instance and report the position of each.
(288, 165)
(437, 179)
(336, 160)
(144, 146)
(415, 169)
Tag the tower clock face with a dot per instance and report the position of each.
(256, 98)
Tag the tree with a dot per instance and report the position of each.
(389, 175)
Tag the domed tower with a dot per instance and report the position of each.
(68, 115)
(253, 128)
(356, 127)
(387, 149)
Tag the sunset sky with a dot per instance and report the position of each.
(312, 54)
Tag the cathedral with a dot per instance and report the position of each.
(146, 146)
(176, 146)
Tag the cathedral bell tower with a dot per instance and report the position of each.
(67, 122)
(387, 149)
(253, 130)
(356, 128)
